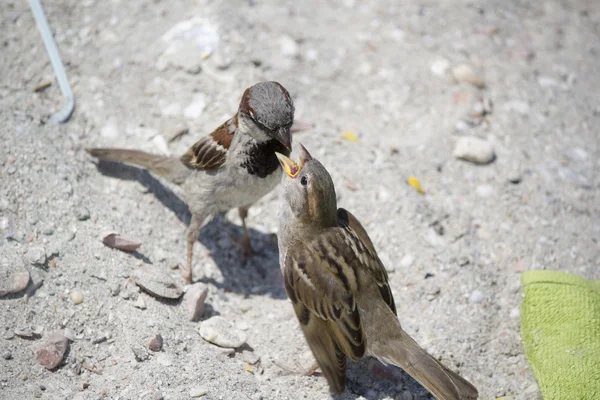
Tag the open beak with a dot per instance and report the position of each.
(304, 155)
(290, 168)
(284, 136)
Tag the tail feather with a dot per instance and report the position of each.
(438, 379)
(168, 167)
(391, 345)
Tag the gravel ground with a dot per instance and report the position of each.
(528, 87)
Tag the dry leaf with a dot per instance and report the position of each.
(350, 136)
(116, 241)
(414, 182)
(248, 368)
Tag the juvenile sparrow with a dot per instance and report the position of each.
(340, 289)
(232, 167)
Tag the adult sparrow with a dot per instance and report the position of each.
(232, 167)
(339, 287)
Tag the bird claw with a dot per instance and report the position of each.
(186, 274)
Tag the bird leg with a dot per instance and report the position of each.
(191, 235)
(247, 250)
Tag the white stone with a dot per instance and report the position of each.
(477, 296)
(407, 261)
(440, 67)
(466, 73)
(515, 313)
(198, 392)
(110, 130)
(289, 47)
(76, 296)
(219, 331)
(474, 149)
(196, 107)
(484, 190)
(140, 303)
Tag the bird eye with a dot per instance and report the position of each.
(303, 181)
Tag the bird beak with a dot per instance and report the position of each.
(284, 136)
(304, 155)
(290, 168)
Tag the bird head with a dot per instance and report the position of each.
(308, 190)
(267, 107)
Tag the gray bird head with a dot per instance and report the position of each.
(270, 107)
(308, 190)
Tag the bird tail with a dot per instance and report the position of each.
(168, 167)
(440, 381)
(394, 346)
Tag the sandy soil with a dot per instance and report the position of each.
(378, 69)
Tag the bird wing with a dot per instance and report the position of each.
(370, 261)
(321, 278)
(210, 152)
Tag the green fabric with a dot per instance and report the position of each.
(560, 326)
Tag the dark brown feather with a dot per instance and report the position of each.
(210, 152)
(376, 268)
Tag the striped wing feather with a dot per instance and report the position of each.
(321, 279)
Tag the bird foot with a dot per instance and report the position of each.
(186, 274)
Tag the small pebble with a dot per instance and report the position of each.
(440, 67)
(114, 289)
(533, 388)
(48, 231)
(140, 353)
(476, 296)
(111, 129)
(36, 255)
(485, 190)
(24, 333)
(76, 296)
(7, 355)
(99, 339)
(474, 149)
(194, 300)
(515, 313)
(198, 392)
(156, 343)
(289, 47)
(514, 176)
(82, 213)
(219, 331)
(16, 282)
(250, 357)
(52, 353)
(466, 73)
(407, 261)
(196, 107)
(140, 303)
(157, 282)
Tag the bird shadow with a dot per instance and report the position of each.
(257, 275)
(370, 379)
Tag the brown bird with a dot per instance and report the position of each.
(232, 167)
(340, 289)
